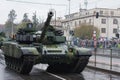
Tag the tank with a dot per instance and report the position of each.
(48, 46)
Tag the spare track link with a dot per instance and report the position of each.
(22, 65)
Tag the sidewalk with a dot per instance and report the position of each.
(105, 62)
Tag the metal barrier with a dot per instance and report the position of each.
(110, 54)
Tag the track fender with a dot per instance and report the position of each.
(83, 51)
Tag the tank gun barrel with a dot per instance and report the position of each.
(46, 25)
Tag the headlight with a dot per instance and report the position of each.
(70, 49)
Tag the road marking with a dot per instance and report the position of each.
(39, 66)
(56, 76)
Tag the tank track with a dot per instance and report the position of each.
(77, 66)
(21, 65)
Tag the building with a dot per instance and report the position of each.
(108, 21)
(2, 28)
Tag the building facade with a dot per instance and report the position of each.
(107, 22)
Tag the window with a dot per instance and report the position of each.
(79, 22)
(75, 23)
(67, 17)
(112, 13)
(115, 21)
(84, 21)
(64, 24)
(103, 30)
(88, 13)
(103, 21)
(71, 23)
(114, 30)
(101, 12)
(67, 23)
(90, 21)
(94, 12)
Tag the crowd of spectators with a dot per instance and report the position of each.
(100, 43)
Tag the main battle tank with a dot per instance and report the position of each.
(49, 46)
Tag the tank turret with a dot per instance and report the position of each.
(50, 35)
(25, 34)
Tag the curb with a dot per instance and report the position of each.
(104, 55)
(103, 70)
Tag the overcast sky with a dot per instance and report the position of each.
(41, 10)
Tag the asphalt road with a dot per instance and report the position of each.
(38, 74)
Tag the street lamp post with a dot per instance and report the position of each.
(118, 30)
(108, 27)
(55, 18)
(95, 44)
(69, 22)
(69, 8)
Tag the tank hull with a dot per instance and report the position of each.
(59, 62)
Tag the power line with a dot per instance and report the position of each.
(37, 3)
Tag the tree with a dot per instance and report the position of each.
(9, 25)
(35, 20)
(25, 18)
(2, 34)
(85, 31)
(12, 16)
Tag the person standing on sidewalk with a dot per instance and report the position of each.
(118, 46)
